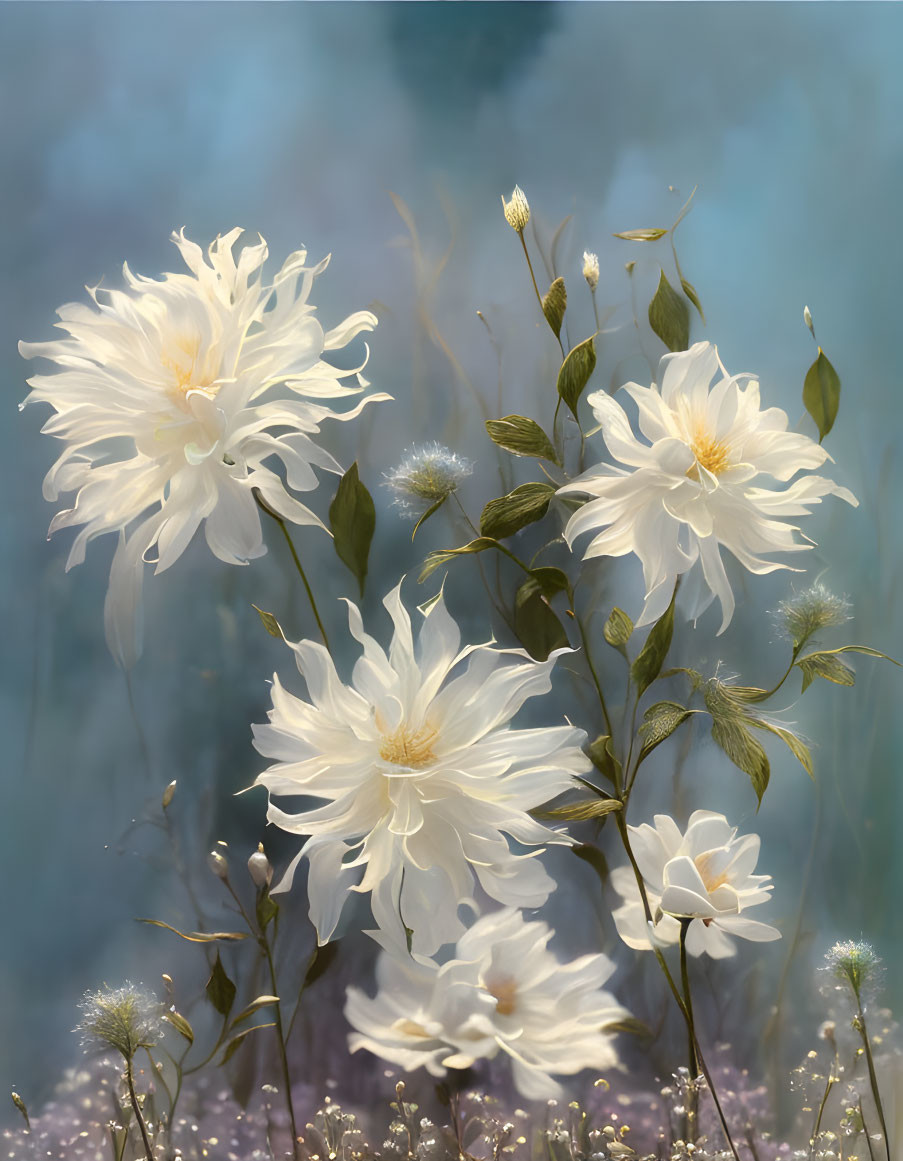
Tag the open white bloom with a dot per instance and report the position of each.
(171, 395)
(703, 481)
(704, 874)
(502, 991)
(422, 775)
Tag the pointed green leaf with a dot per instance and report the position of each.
(575, 372)
(659, 723)
(522, 436)
(579, 811)
(795, 745)
(825, 665)
(690, 291)
(602, 756)
(669, 316)
(431, 511)
(554, 305)
(267, 909)
(743, 749)
(235, 1042)
(652, 656)
(254, 1006)
(508, 514)
(321, 960)
(632, 1027)
(651, 234)
(617, 630)
(180, 1024)
(445, 555)
(821, 394)
(536, 626)
(270, 623)
(220, 989)
(352, 518)
(199, 936)
(550, 580)
(593, 855)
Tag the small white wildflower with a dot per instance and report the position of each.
(260, 868)
(853, 961)
(808, 612)
(125, 1019)
(517, 210)
(425, 476)
(591, 269)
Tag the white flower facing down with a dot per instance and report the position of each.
(423, 776)
(164, 399)
(703, 481)
(705, 874)
(502, 992)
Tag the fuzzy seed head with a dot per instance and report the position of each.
(591, 269)
(853, 961)
(125, 1019)
(807, 613)
(425, 476)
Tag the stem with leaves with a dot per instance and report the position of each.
(262, 504)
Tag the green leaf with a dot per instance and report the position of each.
(433, 508)
(617, 630)
(267, 909)
(690, 291)
(321, 960)
(445, 555)
(254, 1006)
(352, 518)
(235, 1042)
(632, 1027)
(575, 372)
(669, 316)
(743, 749)
(180, 1024)
(550, 580)
(199, 936)
(220, 989)
(825, 665)
(508, 514)
(795, 745)
(651, 234)
(593, 855)
(522, 436)
(536, 626)
(601, 754)
(270, 623)
(821, 394)
(659, 723)
(652, 656)
(580, 811)
(554, 305)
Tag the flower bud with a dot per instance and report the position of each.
(168, 793)
(218, 865)
(591, 269)
(517, 210)
(807, 318)
(260, 868)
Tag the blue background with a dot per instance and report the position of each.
(122, 122)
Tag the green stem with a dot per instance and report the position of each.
(136, 1108)
(829, 1084)
(523, 243)
(595, 676)
(288, 540)
(692, 1102)
(873, 1076)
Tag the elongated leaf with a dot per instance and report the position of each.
(535, 624)
(579, 811)
(690, 291)
(617, 630)
(445, 555)
(744, 750)
(352, 518)
(254, 1006)
(431, 511)
(593, 855)
(659, 723)
(554, 304)
(795, 745)
(235, 1042)
(267, 909)
(180, 1024)
(220, 989)
(270, 623)
(648, 235)
(825, 665)
(508, 514)
(821, 394)
(522, 436)
(320, 962)
(575, 372)
(632, 1027)
(550, 580)
(669, 316)
(602, 756)
(199, 936)
(648, 664)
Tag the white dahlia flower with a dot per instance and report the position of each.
(171, 395)
(704, 875)
(702, 482)
(502, 992)
(423, 778)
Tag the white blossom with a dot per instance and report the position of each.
(704, 874)
(422, 776)
(591, 269)
(503, 991)
(171, 396)
(702, 482)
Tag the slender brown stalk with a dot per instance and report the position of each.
(136, 1108)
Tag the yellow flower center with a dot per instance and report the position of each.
(704, 867)
(505, 992)
(182, 361)
(407, 747)
(710, 453)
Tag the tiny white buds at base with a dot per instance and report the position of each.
(260, 868)
(517, 210)
(218, 865)
(807, 319)
(591, 269)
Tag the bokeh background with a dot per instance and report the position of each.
(122, 122)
